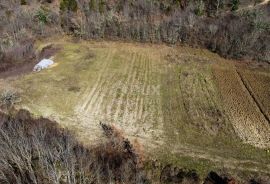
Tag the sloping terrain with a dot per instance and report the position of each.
(186, 106)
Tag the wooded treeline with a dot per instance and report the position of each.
(227, 27)
(212, 24)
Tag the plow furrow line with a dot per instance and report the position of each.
(86, 92)
(101, 78)
(139, 89)
(146, 89)
(98, 105)
(118, 102)
(131, 85)
(116, 86)
(140, 100)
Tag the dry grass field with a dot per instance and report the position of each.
(183, 105)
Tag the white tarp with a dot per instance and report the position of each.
(43, 64)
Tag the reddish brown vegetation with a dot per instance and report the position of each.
(38, 151)
(17, 60)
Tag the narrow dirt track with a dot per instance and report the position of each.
(229, 163)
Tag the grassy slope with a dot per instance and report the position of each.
(172, 106)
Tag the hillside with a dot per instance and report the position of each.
(145, 91)
(184, 106)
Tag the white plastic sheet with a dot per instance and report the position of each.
(43, 64)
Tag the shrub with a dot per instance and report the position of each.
(235, 5)
(93, 5)
(8, 98)
(42, 16)
(102, 5)
(23, 2)
(199, 10)
(70, 5)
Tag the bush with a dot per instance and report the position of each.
(70, 5)
(8, 98)
(199, 10)
(23, 2)
(42, 16)
(102, 6)
(93, 5)
(235, 5)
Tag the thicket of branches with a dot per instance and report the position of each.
(38, 151)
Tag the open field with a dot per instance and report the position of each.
(184, 105)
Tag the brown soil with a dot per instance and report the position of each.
(16, 69)
(48, 51)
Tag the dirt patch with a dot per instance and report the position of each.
(74, 89)
(17, 69)
(254, 97)
(48, 51)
